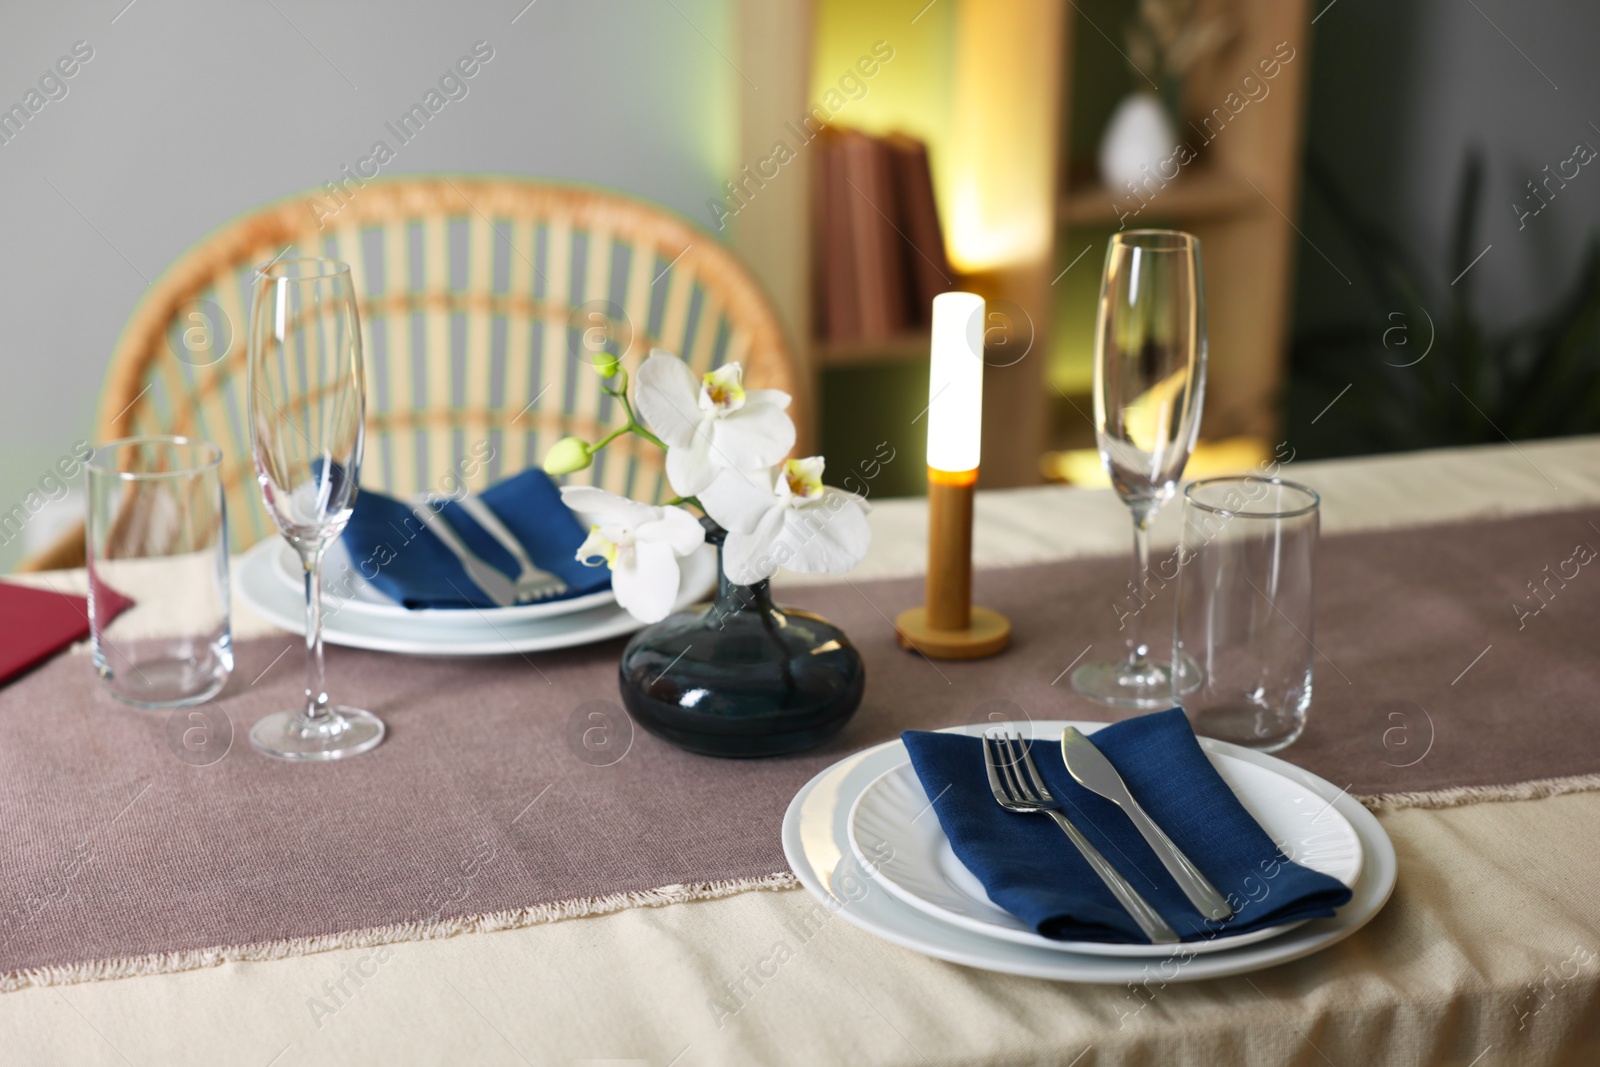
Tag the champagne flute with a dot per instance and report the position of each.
(307, 408)
(1149, 382)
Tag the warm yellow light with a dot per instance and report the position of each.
(1000, 195)
(1231, 455)
(1148, 418)
(955, 382)
(978, 81)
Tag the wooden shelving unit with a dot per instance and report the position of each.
(1238, 197)
(992, 138)
(1208, 193)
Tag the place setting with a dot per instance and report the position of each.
(446, 573)
(444, 598)
(1148, 842)
(865, 838)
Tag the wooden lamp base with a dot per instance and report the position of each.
(988, 633)
(947, 626)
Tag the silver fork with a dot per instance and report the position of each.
(496, 586)
(1004, 758)
(533, 583)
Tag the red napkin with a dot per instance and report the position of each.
(35, 624)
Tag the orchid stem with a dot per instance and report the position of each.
(648, 436)
(608, 438)
(633, 426)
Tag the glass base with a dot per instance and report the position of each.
(167, 684)
(1249, 724)
(349, 732)
(1150, 688)
(165, 674)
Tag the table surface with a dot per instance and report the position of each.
(1487, 954)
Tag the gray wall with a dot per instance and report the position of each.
(1401, 88)
(191, 112)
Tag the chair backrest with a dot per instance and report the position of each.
(483, 302)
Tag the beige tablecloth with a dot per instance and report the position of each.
(1487, 954)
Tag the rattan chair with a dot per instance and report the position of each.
(483, 302)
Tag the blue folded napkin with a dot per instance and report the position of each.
(391, 548)
(1029, 868)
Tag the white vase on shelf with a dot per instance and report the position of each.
(1139, 135)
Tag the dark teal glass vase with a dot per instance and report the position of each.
(742, 678)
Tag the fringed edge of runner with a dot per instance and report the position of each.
(1479, 794)
(425, 930)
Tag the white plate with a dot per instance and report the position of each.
(893, 818)
(816, 841)
(343, 585)
(261, 589)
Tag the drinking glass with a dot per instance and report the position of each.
(307, 427)
(1244, 620)
(158, 535)
(1149, 381)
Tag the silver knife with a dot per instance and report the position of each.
(1095, 773)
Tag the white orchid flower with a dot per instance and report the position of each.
(710, 424)
(786, 518)
(640, 543)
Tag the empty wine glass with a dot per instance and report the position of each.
(1149, 381)
(307, 426)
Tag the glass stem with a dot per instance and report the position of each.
(316, 713)
(1138, 651)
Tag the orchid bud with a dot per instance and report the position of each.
(568, 455)
(606, 364)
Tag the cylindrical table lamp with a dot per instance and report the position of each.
(948, 626)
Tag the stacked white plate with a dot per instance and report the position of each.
(358, 615)
(863, 838)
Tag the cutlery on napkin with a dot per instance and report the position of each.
(35, 623)
(496, 586)
(1089, 766)
(1029, 869)
(1018, 788)
(399, 554)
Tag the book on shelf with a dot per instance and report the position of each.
(837, 301)
(922, 237)
(869, 199)
(879, 248)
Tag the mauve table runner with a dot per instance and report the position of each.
(480, 802)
